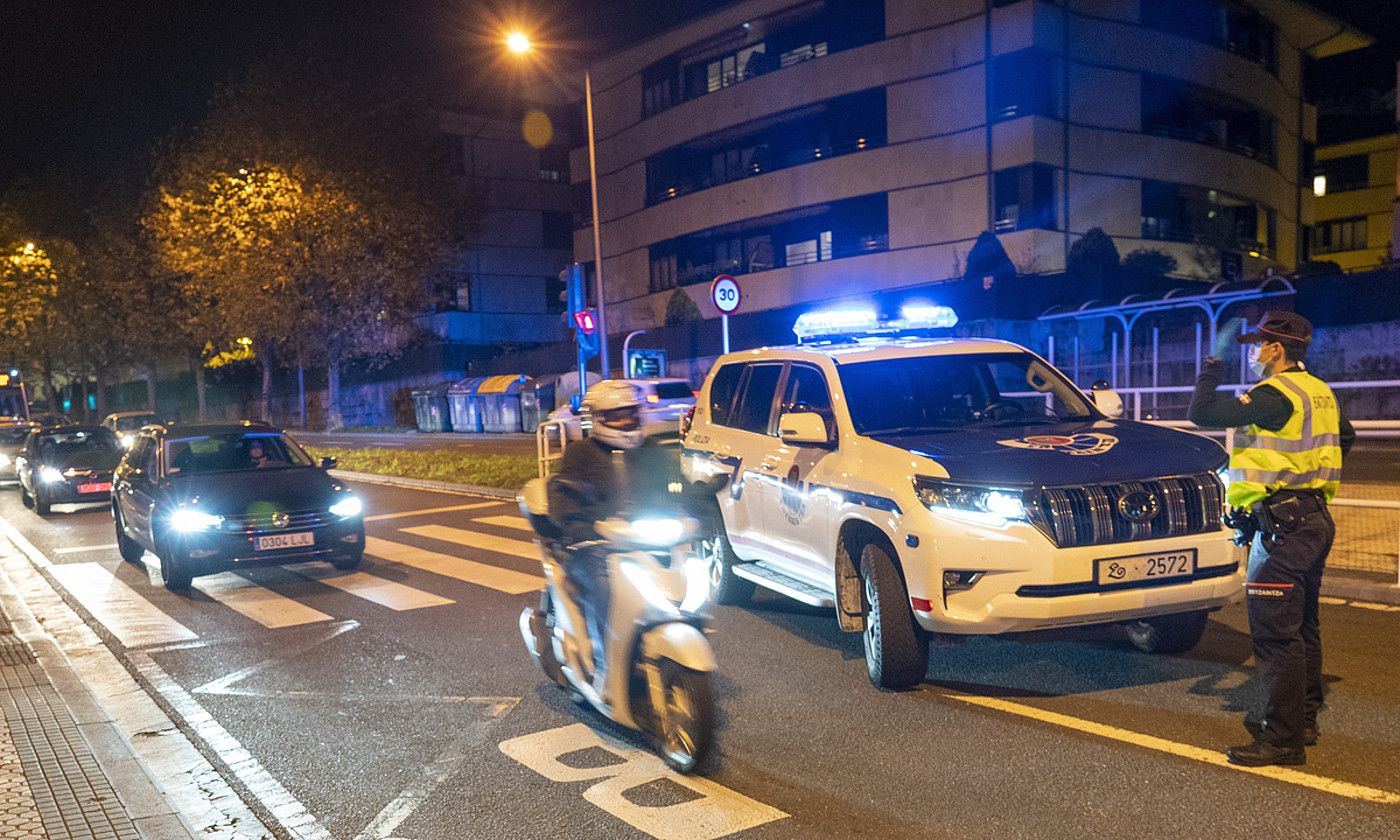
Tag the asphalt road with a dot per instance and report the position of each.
(380, 701)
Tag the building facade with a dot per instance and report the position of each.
(830, 148)
(1354, 185)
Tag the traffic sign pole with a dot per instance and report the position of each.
(725, 294)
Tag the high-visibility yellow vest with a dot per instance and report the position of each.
(1306, 454)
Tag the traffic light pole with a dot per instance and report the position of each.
(605, 368)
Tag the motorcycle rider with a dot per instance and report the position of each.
(615, 469)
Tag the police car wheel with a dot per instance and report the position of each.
(1169, 633)
(896, 652)
(725, 586)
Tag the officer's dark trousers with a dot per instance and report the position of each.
(1284, 578)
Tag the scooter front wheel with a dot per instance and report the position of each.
(685, 723)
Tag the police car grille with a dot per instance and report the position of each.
(1090, 515)
(256, 523)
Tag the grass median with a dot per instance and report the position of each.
(508, 472)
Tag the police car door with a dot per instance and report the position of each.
(796, 508)
(751, 427)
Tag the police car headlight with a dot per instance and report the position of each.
(1223, 473)
(983, 505)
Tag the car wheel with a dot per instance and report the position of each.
(175, 570)
(24, 497)
(896, 652)
(42, 506)
(725, 586)
(1168, 633)
(130, 549)
(349, 561)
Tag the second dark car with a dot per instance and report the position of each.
(208, 497)
(66, 465)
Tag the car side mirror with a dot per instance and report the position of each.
(803, 428)
(329, 463)
(1109, 401)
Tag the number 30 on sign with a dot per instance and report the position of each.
(724, 291)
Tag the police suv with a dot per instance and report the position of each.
(924, 485)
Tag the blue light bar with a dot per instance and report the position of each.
(926, 316)
(857, 321)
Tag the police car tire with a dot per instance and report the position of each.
(730, 589)
(1168, 633)
(896, 652)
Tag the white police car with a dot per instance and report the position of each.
(965, 486)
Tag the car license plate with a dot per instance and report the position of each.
(276, 541)
(1137, 568)
(96, 487)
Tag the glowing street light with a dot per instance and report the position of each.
(519, 43)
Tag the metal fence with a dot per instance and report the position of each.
(1368, 537)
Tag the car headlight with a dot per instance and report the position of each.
(983, 505)
(188, 521)
(127, 440)
(50, 475)
(348, 506)
(4, 460)
(1223, 473)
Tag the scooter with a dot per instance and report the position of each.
(658, 659)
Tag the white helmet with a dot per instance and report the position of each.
(615, 406)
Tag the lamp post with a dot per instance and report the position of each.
(520, 44)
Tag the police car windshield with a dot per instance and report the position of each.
(919, 393)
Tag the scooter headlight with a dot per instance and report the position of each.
(658, 532)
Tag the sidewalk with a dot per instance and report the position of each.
(65, 769)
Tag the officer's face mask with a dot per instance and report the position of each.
(1257, 363)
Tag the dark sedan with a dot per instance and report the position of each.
(207, 497)
(13, 434)
(66, 465)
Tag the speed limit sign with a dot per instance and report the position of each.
(724, 291)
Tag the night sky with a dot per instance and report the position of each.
(87, 86)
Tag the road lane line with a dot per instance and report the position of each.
(1323, 784)
(508, 581)
(404, 514)
(79, 549)
(135, 621)
(516, 522)
(476, 539)
(270, 609)
(385, 593)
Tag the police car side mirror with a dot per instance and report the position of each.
(1109, 401)
(803, 428)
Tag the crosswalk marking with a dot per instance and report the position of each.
(516, 522)
(135, 621)
(378, 590)
(79, 549)
(268, 608)
(404, 514)
(481, 574)
(476, 539)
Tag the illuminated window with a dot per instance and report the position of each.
(1319, 185)
(1339, 235)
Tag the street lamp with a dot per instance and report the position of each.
(519, 43)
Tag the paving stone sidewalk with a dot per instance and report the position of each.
(52, 781)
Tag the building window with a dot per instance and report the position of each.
(1024, 83)
(840, 126)
(805, 235)
(554, 164)
(452, 153)
(1339, 235)
(1172, 108)
(1220, 23)
(558, 229)
(1025, 198)
(1342, 174)
(463, 300)
(659, 87)
(1183, 213)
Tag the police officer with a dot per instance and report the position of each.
(1285, 465)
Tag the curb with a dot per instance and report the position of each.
(1360, 589)
(425, 484)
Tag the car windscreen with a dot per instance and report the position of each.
(673, 391)
(232, 451)
(13, 435)
(131, 424)
(85, 448)
(921, 393)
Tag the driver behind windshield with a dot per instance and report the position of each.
(616, 470)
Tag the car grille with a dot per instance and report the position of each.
(261, 522)
(1092, 515)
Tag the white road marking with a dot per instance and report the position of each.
(268, 608)
(224, 684)
(476, 539)
(385, 593)
(404, 514)
(122, 610)
(79, 549)
(517, 523)
(717, 812)
(481, 574)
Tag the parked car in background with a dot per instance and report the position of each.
(13, 433)
(52, 418)
(667, 401)
(124, 424)
(206, 497)
(67, 465)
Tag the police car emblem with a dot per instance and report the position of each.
(794, 497)
(1089, 443)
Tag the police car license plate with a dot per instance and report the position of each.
(1137, 568)
(276, 541)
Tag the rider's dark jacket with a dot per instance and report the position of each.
(595, 481)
